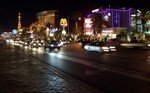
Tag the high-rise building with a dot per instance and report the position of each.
(117, 20)
(115, 17)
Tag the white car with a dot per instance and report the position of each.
(99, 47)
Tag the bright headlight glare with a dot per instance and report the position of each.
(59, 44)
(52, 45)
(105, 48)
(112, 46)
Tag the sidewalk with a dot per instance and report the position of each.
(20, 73)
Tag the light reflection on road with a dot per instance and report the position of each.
(54, 55)
(100, 67)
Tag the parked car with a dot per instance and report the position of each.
(52, 45)
(99, 47)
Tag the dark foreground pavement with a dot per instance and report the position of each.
(21, 73)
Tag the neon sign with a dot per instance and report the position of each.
(63, 22)
(88, 26)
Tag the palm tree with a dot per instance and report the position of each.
(142, 15)
(76, 15)
(98, 23)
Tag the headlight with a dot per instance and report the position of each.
(59, 44)
(86, 47)
(52, 45)
(105, 47)
(112, 47)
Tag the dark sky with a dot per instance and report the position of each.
(9, 9)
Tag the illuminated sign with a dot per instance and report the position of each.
(14, 31)
(88, 26)
(63, 22)
(96, 10)
(88, 20)
(107, 31)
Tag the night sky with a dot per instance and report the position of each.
(9, 9)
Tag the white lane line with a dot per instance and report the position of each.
(99, 66)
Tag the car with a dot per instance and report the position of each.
(26, 43)
(35, 44)
(64, 42)
(100, 47)
(84, 42)
(52, 45)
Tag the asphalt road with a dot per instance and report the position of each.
(21, 73)
(124, 71)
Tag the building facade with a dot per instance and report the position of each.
(45, 19)
(118, 19)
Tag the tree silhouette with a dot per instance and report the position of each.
(142, 15)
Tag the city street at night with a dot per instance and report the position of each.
(57, 46)
(21, 73)
(123, 71)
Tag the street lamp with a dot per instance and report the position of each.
(77, 27)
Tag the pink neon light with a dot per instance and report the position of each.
(87, 20)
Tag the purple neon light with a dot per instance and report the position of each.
(118, 19)
(117, 10)
(89, 15)
(109, 9)
(112, 19)
(102, 12)
(130, 16)
(117, 15)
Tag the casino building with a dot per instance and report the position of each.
(118, 20)
(45, 19)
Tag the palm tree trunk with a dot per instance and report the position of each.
(76, 24)
(143, 31)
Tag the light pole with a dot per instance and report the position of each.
(76, 24)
